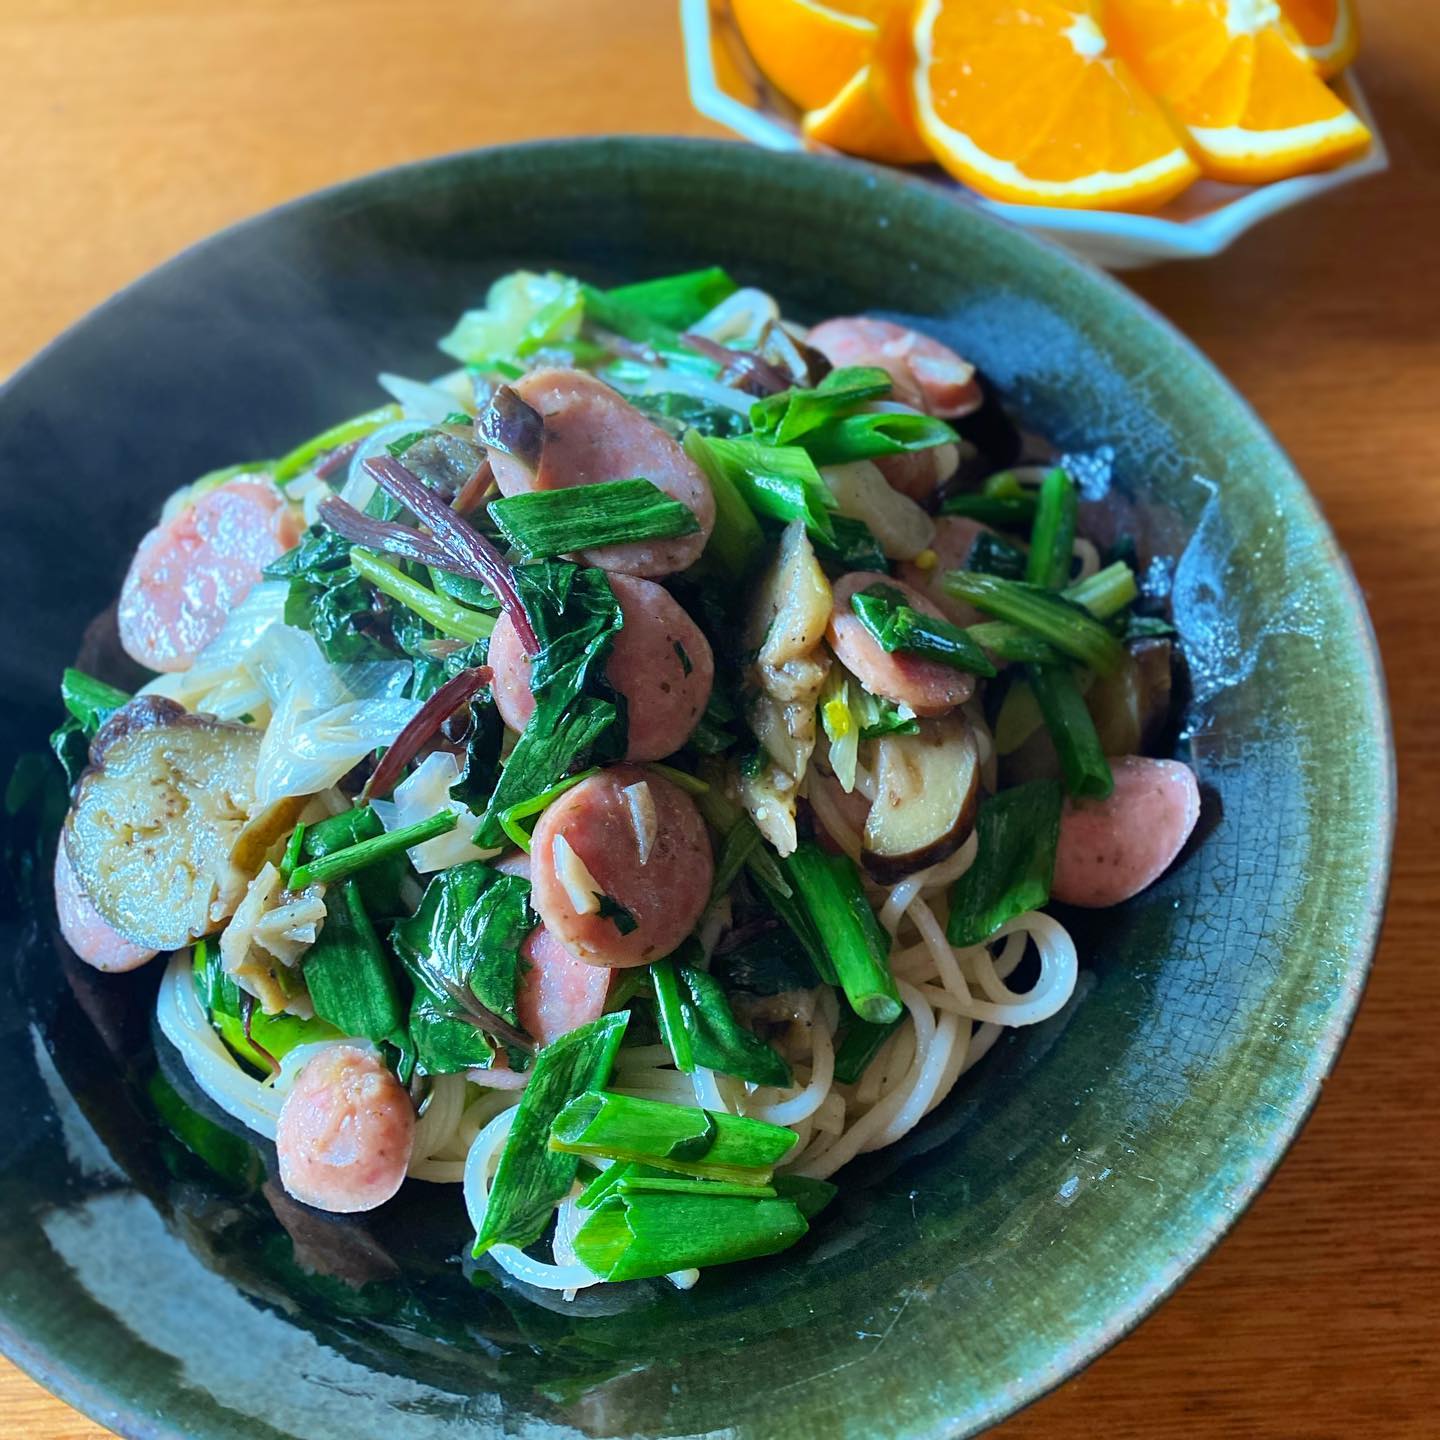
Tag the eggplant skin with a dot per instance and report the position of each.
(163, 820)
(940, 770)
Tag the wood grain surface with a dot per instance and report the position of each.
(129, 128)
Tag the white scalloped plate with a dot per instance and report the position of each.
(726, 85)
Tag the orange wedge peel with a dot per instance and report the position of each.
(1239, 79)
(1024, 101)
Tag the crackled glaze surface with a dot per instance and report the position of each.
(1066, 1186)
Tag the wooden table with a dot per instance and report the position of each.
(129, 128)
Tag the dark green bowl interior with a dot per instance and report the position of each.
(1071, 1180)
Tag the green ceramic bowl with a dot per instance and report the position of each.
(1071, 1181)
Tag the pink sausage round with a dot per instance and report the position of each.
(926, 686)
(558, 993)
(190, 572)
(661, 663)
(346, 1131)
(593, 434)
(95, 942)
(665, 893)
(1114, 848)
(955, 537)
(926, 373)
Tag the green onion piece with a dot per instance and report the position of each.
(350, 978)
(714, 1038)
(293, 850)
(1052, 540)
(808, 1196)
(782, 419)
(672, 1020)
(858, 947)
(1004, 512)
(92, 702)
(608, 1180)
(1066, 625)
(677, 301)
(627, 320)
(380, 884)
(681, 779)
(343, 863)
(682, 1138)
(1083, 762)
(275, 1035)
(861, 1044)
(1009, 642)
(780, 481)
(289, 466)
(532, 1178)
(896, 626)
(579, 517)
(735, 851)
(632, 1236)
(885, 432)
(765, 869)
(1018, 830)
(1107, 592)
(644, 1180)
(447, 616)
(992, 554)
(737, 541)
(512, 815)
(1103, 594)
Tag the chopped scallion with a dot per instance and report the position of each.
(541, 523)
(341, 864)
(897, 626)
(857, 945)
(1052, 539)
(446, 615)
(1067, 626)
(709, 1144)
(1082, 760)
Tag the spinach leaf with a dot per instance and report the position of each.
(327, 598)
(1018, 830)
(718, 1041)
(467, 934)
(576, 618)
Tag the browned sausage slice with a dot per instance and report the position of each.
(926, 686)
(644, 850)
(661, 663)
(593, 434)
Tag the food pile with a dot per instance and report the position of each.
(1091, 104)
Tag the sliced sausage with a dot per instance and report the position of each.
(592, 434)
(559, 992)
(927, 374)
(345, 1133)
(926, 686)
(661, 663)
(1114, 848)
(954, 538)
(191, 571)
(95, 942)
(650, 856)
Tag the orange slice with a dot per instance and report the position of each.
(861, 121)
(808, 51)
(1022, 100)
(1329, 30)
(873, 115)
(1236, 76)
